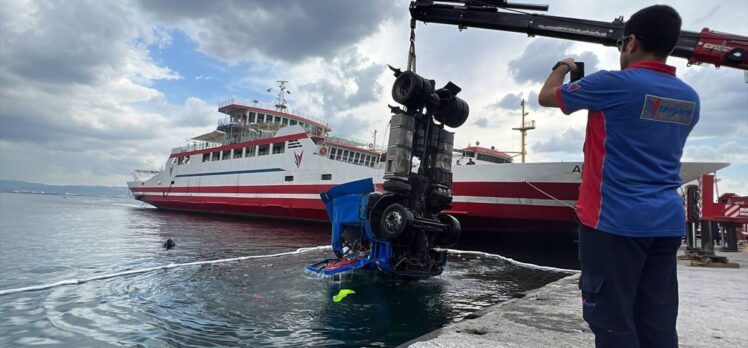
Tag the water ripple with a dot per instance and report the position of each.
(255, 303)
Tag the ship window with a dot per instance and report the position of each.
(238, 153)
(292, 122)
(340, 153)
(285, 122)
(252, 116)
(332, 153)
(289, 178)
(279, 148)
(226, 155)
(186, 159)
(206, 157)
(469, 154)
(326, 176)
(173, 160)
(278, 119)
(249, 151)
(345, 156)
(172, 182)
(180, 160)
(260, 118)
(216, 156)
(263, 150)
(357, 159)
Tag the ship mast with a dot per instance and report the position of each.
(280, 100)
(524, 127)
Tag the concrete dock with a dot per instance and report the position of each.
(713, 312)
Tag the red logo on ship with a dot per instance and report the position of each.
(298, 157)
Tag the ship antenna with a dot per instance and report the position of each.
(280, 101)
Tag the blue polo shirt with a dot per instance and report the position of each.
(638, 122)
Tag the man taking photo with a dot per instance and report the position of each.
(631, 218)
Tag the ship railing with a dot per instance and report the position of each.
(356, 142)
(195, 146)
(257, 104)
(140, 174)
(247, 133)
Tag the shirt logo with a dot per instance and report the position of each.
(668, 110)
(574, 86)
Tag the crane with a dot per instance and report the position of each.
(699, 48)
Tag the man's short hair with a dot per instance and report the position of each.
(657, 28)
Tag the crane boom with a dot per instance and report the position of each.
(705, 47)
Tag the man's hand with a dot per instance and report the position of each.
(569, 64)
(547, 95)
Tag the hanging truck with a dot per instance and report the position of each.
(403, 231)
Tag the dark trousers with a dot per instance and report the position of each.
(629, 288)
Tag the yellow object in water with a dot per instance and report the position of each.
(342, 294)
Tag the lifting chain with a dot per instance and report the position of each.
(412, 50)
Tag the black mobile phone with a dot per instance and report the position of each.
(579, 73)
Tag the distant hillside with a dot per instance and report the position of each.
(79, 190)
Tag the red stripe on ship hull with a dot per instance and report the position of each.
(562, 191)
(472, 216)
(298, 209)
(298, 189)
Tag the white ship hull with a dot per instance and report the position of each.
(487, 196)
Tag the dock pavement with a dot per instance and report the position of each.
(713, 312)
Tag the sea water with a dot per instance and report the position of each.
(255, 303)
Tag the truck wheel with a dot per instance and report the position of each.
(410, 90)
(452, 235)
(456, 113)
(395, 220)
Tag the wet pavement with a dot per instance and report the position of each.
(713, 313)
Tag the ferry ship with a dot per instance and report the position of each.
(270, 162)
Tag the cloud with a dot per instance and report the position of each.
(532, 100)
(570, 141)
(56, 43)
(731, 151)
(510, 101)
(534, 64)
(481, 123)
(724, 102)
(536, 61)
(77, 99)
(340, 86)
(291, 31)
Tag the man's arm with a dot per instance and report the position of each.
(547, 95)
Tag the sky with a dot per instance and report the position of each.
(91, 90)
